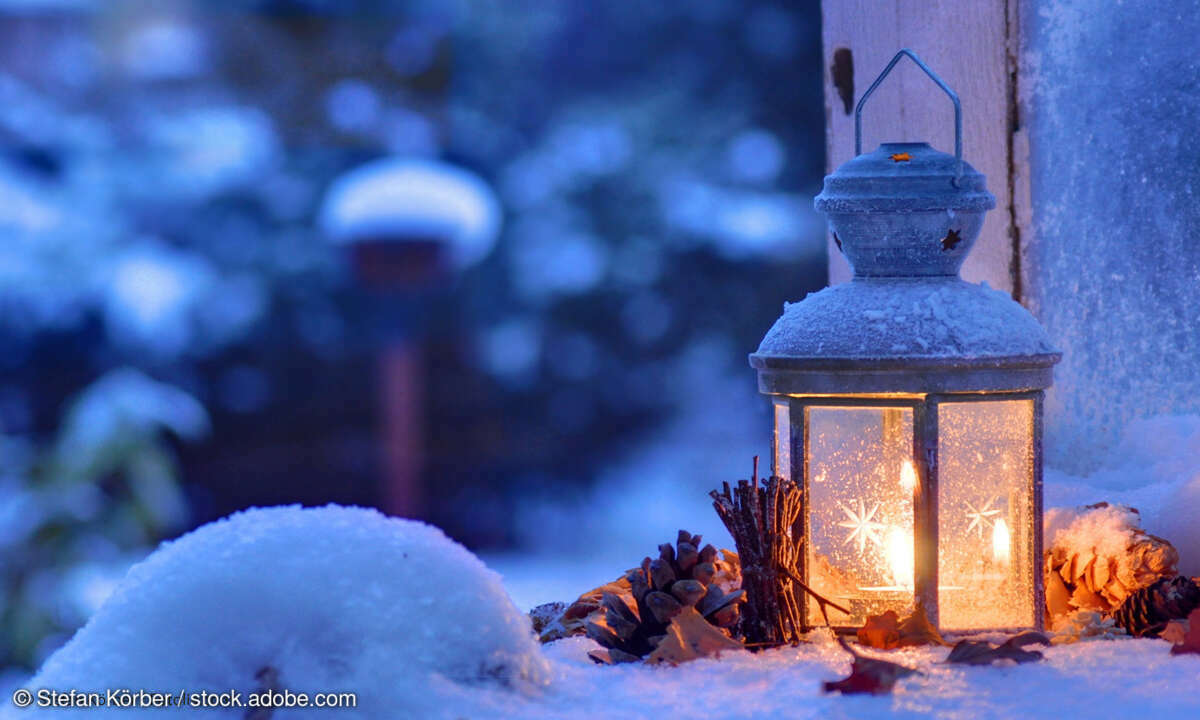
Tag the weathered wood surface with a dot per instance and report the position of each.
(970, 45)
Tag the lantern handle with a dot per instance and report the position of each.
(940, 83)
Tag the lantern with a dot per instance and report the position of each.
(908, 403)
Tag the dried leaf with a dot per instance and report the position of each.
(917, 630)
(887, 631)
(981, 652)
(1058, 597)
(881, 631)
(1088, 600)
(901, 157)
(690, 636)
(1191, 640)
(870, 675)
(1175, 632)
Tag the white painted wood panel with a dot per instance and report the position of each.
(966, 44)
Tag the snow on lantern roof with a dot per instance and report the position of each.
(922, 319)
(396, 199)
(905, 335)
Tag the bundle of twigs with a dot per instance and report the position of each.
(765, 522)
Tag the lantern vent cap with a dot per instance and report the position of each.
(904, 177)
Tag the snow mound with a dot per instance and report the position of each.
(334, 599)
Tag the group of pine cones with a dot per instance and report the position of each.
(681, 576)
(1137, 589)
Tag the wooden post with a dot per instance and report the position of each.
(972, 47)
(402, 416)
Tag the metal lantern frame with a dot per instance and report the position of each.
(890, 226)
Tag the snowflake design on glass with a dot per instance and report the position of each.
(982, 517)
(862, 525)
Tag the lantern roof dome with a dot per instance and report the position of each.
(905, 335)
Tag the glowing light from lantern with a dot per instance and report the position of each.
(898, 550)
(1001, 550)
(908, 477)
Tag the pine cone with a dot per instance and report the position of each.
(1090, 580)
(1146, 612)
(681, 576)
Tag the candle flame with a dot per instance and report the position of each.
(1000, 542)
(898, 550)
(908, 477)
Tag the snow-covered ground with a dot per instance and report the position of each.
(344, 599)
(1133, 679)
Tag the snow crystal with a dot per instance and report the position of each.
(335, 599)
(400, 197)
(926, 318)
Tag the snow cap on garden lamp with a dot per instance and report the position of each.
(908, 403)
(411, 222)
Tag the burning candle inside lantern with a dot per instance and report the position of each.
(1001, 552)
(908, 477)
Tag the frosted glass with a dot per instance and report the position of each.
(985, 514)
(783, 439)
(860, 510)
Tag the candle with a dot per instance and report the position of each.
(908, 477)
(1001, 551)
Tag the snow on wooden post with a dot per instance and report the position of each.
(968, 43)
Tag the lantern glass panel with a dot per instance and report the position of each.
(783, 438)
(860, 498)
(985, 514)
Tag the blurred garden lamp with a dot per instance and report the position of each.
(407, 226)
(908, 403)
